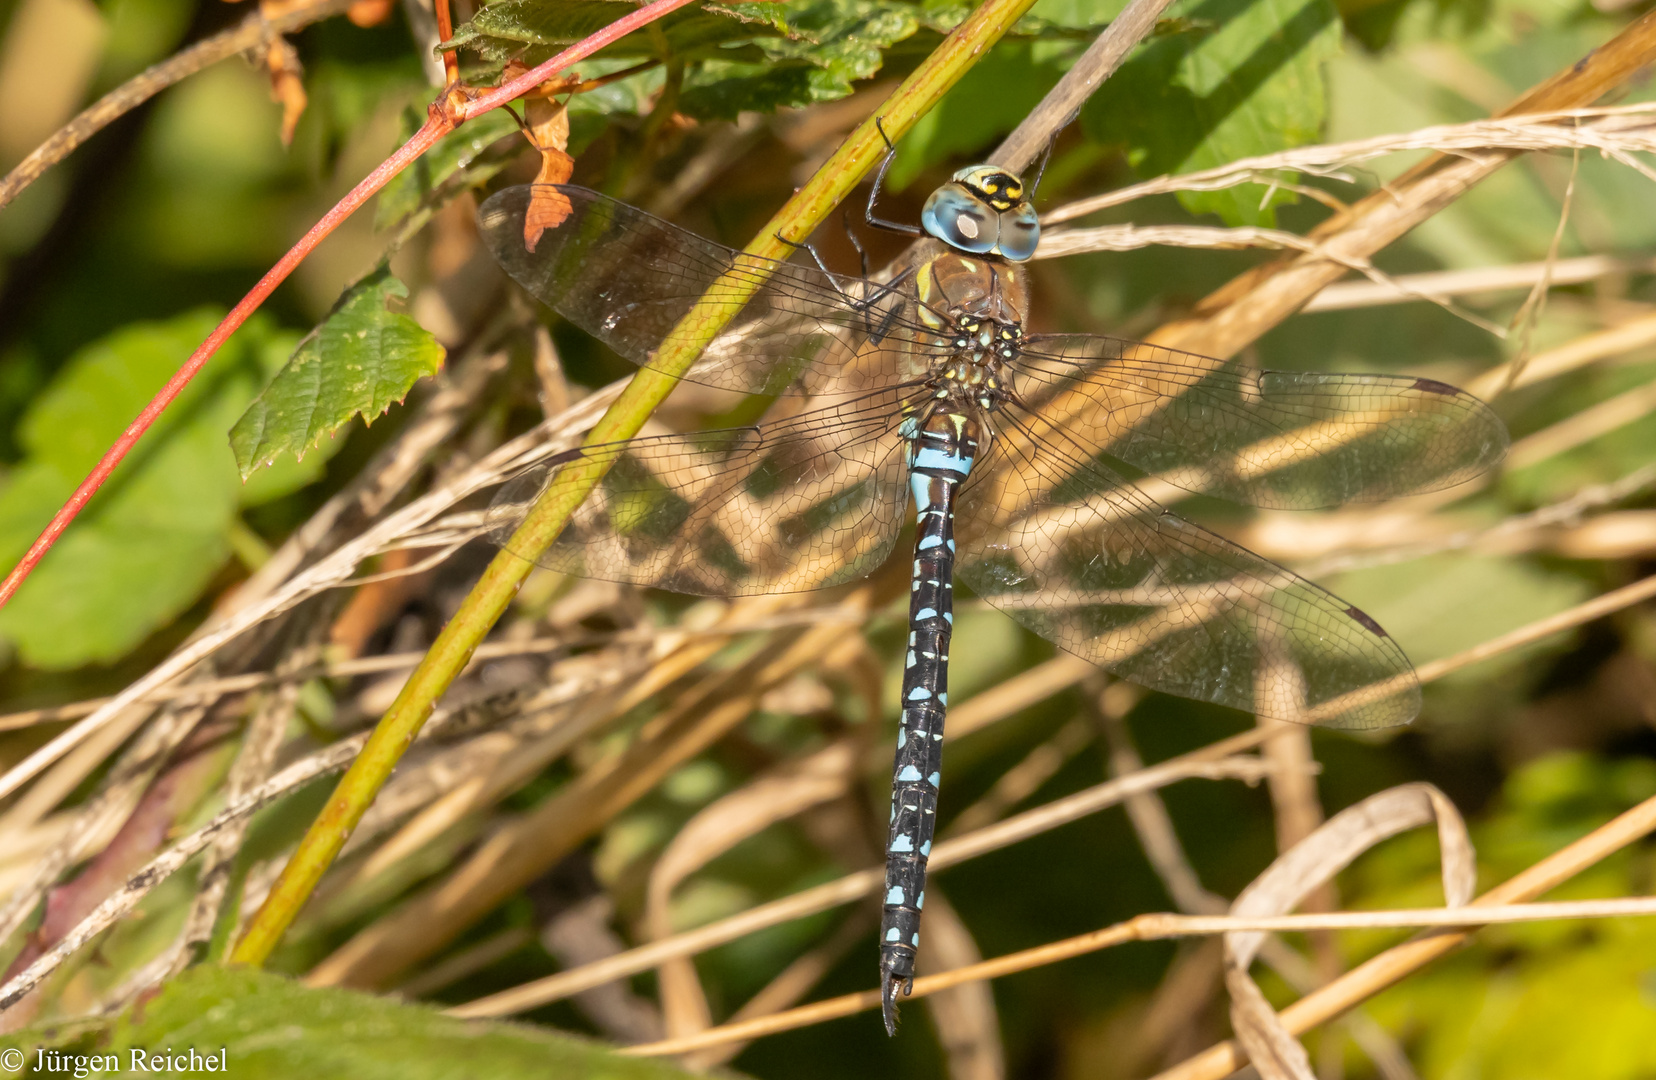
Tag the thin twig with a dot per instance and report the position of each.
(1214, 761)
(213, 689)
(1063, 102)
(1157, 926)
(1617, 132)
(1443, 284)
(252, 32)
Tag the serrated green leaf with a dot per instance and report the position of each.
(1252, 83)
(277, 1028)
(830, 45)
(360, 361)
(156, 534)
(530, 29)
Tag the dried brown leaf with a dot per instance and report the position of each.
(1301, 871)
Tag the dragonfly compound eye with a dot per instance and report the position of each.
(1020, 231)
(955, 216)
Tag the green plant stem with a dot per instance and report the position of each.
(489, 598)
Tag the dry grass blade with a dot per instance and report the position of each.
(793, 983)
(1237, 314)
(1583, 427)
(1444, 284)
(159, 869)
(1223, 759)
(1617, 132)
(965, 1017)
(1304, 868)
(1502, 903)
(268, 597)
(790, 789)
(518, 854)
(1064, 242)
(1156, 927)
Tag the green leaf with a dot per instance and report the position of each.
(830, 44)
(277, 1028)
(156, 534)
(361, 360)
(1440, 605)
(1252, 84)
(531, 29)
(455, 152)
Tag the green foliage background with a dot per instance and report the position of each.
(116, 264)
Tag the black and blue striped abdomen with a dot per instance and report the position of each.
(941, 452)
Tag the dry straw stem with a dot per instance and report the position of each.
(1446, 284)
(1156, 926)
(1214, 761)
(1063, 102)
(1635, 333)
(489, 599)
(854, 886)
(1300, 872)
(163, 866)
(256, 30)
(289, 584)
(1584, 426)
(1237, 314)
(1217, 760)
(1616, 132)
(522, 851)
(227, 823)
(213, 689)
(1504, 902)
(1064, 242)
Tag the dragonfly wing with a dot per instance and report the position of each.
(1074, 552)
(628, 278)
(783, 507)
(1283, 439)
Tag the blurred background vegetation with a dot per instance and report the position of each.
(115, 264)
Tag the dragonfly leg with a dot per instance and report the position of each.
(850, 234)
(816, 256)
(879, 182)
(861, 305)
(1040, 170)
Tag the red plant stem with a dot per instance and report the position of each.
(446, 114)
(445, 30)
(434, 128)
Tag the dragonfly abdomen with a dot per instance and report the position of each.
(941, 452)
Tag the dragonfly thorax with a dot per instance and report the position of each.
(977, 369)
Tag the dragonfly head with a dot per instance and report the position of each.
(986, 211)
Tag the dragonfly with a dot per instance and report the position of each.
(1025, 456)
